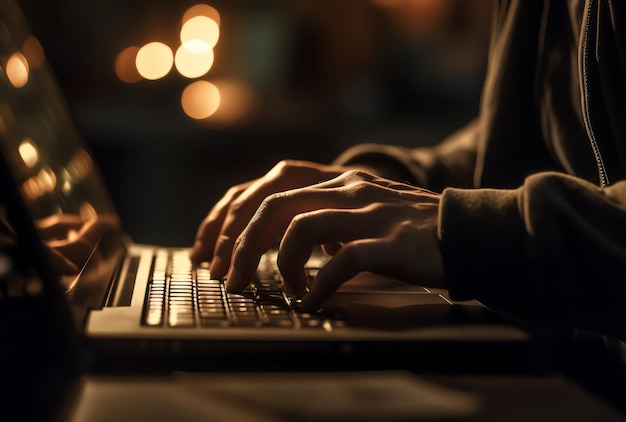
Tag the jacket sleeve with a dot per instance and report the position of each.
(449, 163)
(553, 248)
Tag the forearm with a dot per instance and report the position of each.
(554, 247)
(450, 163)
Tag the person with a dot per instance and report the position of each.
(524, 209)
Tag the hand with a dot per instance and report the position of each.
(216, 236)
(375, 224)
(70, 240)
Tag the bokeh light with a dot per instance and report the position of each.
(154, 60)
(87, 211)
(39, 184)
(192, 61)
(28, 152)
(193, 58)
(17, 70)
(202, 10)
(125, 67)
(200, 28)
(200, 100)
(33, 52)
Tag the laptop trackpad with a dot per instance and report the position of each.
(385, 300)
(393, 311)
(377, 302)
(368, 282)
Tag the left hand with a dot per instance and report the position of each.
(376, 225)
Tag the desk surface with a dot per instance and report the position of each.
(336, 396)
(313, 395)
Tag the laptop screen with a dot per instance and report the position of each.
(52, 169)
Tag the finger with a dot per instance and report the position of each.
(58, 225)
(285, 176)
(275, 213)
(93, 230)
(236, 217)
(322, 227)
(206, 235)
(271, 220)
(77, 246)
(409, 253)
(354, 258)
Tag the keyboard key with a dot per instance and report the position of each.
(186, 296)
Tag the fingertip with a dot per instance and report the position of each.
(196, 248)
(194, 256)
(216, 268)
(234, 282)
(295, 285)
(309, 304)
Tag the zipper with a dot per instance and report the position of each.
(604, 180)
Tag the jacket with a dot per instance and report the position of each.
(533, 209)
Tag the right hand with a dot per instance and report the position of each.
(216, 236)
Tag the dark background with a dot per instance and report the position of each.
(322, 75)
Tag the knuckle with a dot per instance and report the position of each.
(299, 225)
(234, 191)
(236, 206)
(356, 175)
(285, 166)
(270, 203)
(363, 190)
(351, 173)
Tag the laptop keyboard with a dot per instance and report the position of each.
(181, 295)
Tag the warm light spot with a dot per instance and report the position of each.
(33, 51)
(30, 189)
(28, 152)
(34, 286)
(6, 265)
(200, 28)
(192, 63)
(154, 60)
(202, 10)
(87, 211)
(66, 187)
(200, 100)
(197, 46)
(80, 165)
(47, 179)
(72, 235)
(36, 186)
(125, 67)
(17, 70)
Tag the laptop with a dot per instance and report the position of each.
(128, 300)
